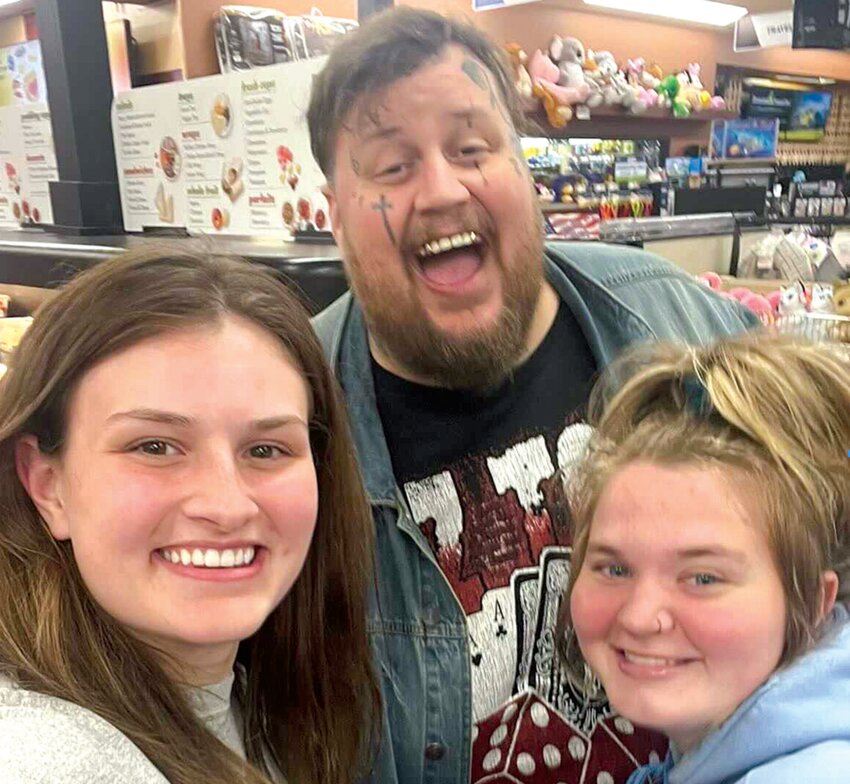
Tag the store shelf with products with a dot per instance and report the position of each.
(584, 181)
(613, 122)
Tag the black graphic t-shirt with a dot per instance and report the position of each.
(480, 474)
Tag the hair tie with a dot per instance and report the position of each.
(697, 398)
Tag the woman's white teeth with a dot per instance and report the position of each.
(452, 242)
(209, 558)
(649, 661)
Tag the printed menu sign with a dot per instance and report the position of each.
(27, 165)
(224, 154)
(148, 158)
(22, 79)
(27, 154)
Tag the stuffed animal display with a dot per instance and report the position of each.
(566, 76)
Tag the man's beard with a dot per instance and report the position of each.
(481, 358)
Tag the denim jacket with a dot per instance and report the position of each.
(619, 296)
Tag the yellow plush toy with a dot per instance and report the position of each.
(841, 300)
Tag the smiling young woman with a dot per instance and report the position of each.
(185, 546)
(711, 561)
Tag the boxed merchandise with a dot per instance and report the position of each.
(750, 139)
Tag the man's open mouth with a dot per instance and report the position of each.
(450, 260)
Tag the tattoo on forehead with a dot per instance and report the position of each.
(382, 206)
(355, 164)
(474, 70)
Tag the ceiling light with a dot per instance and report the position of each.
(702, 11)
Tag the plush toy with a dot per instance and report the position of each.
(841, 300)
(688, 93)
(760, 306)
(712, 280)
(821, 298)
(608, 84)
(640, 98)
(616, 89)
(522, 79)
(669, 88)
(594, 80)
(774, 298)
(544, 84)
(568, 54)
(792, 299)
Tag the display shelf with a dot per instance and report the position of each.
(549, 207)
(615, 122)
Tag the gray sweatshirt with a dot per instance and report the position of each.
(44, 740)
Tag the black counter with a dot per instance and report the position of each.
(38, 258)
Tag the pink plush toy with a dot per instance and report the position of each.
(773, 298)
(568, 55)
(740, 293)
(545, 76)
(760, 306)
(712, 280)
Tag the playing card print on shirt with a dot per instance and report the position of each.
(500, 533)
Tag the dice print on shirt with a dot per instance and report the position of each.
(529, 742)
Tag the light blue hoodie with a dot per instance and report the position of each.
(795, 729)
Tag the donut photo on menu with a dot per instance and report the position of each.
(220, 218)
(221, 115)
(170, 159)
(305, 212)
(288, 214)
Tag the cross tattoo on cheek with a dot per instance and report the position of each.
(382, 206)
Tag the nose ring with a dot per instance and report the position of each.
(660, 625)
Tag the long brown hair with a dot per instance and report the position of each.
(311, 703)
(775, 414)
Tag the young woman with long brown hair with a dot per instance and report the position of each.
(185, 547)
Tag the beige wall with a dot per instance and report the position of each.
(12, 30)
(671, 46)
(156, 28)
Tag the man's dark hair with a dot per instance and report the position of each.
(390, 46)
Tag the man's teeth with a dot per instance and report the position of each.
(452, 242)
(209, 558)
(649, 661)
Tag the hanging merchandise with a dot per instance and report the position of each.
(248, 37)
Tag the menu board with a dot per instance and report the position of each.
(225, 154)
(27, 154)
(22, 74)
(27, 165)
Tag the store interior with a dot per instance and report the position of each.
(721, 143)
